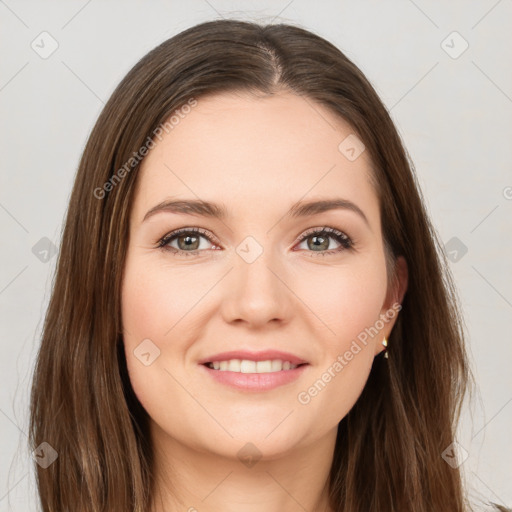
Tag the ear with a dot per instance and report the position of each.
(394, 298)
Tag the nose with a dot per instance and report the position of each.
(256, 293)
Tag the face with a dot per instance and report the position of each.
(261, 324)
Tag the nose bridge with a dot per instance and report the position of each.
(256, 292)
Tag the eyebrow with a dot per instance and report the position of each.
(209, 209)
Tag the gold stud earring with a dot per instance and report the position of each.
(385, 344)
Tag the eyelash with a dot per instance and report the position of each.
(345, 242)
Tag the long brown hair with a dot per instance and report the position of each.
(388, 454)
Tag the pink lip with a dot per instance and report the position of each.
(264, 355)
(255, 381)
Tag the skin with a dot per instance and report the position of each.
(257, 156)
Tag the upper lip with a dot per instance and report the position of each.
(263, 355)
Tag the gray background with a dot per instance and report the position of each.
(452, 108)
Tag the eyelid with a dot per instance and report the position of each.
(321, 229)
(172, 234)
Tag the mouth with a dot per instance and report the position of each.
(257, 372)
(250, 366)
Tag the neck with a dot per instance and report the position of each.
(190, 480)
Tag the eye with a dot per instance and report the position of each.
(188, 240)
(321, 240)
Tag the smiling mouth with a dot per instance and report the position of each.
(248, 366)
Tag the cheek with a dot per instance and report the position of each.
(157, 303)
(145, 314)
(348, 300)
(155, 298)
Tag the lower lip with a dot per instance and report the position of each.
(255, 381)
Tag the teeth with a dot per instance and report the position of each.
(263, 367)
(277, 365)
(248, 366)
(234, 365)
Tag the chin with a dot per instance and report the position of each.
(255, 446)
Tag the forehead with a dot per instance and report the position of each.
(255, 152)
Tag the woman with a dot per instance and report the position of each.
(198, 351)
